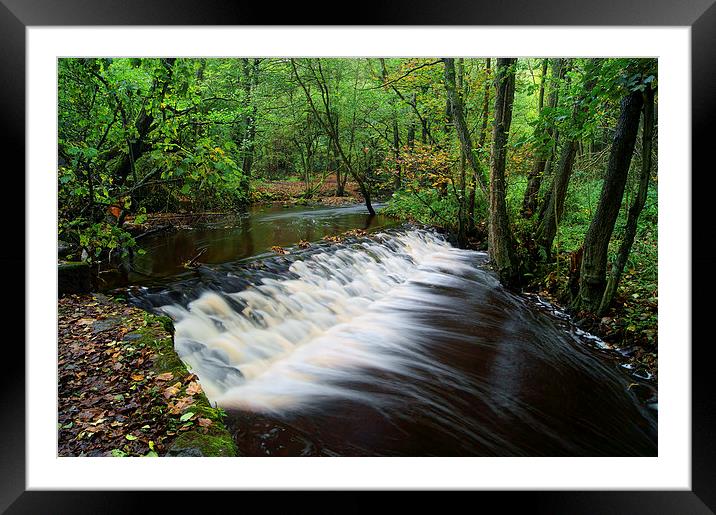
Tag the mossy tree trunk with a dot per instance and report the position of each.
(637, 205)
(500, 241)
(480, 145)
(592, 279)
(534, 179)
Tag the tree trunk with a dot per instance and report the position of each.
(411, 127)
(543, 160)
(500, 241)
(534, 178)
(329, 122)
(551, 214)
(480, 145)
(637, 205)
(554, 202)
(143, 125)
(459, 122)
(249, 83)
(592, 279)
(396, 133)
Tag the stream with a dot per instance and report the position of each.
(391, 344)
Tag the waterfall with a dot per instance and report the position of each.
(409, 335)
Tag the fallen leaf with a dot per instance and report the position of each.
(137, 377)
(204, 422)
(171, 391)
(193, 388)
(167, 376)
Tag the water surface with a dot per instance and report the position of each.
(394, 345)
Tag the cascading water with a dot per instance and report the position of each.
(399, 344)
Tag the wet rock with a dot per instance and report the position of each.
(177, 452)
(73, 277)
(64, 248)
(130, 337)
(104, 325)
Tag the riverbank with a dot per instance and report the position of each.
(123, 391)
(267, 193)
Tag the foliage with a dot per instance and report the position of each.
(143, 135)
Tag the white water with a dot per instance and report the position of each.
(397, 345)
(298, 342)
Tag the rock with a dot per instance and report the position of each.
(103, 325)
(63, 248)
(73, 277)
(130, 337)
(177, 452)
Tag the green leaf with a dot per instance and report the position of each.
(118, 453)
(186, 416)
(130, 437)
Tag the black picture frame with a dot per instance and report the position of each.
(700, 15)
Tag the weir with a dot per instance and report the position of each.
(396, 344)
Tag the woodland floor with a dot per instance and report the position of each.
(121, 389)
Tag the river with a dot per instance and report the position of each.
(391, 344)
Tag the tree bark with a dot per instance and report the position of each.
(459, 121)
(553, 208)
(249, 82)
(592, 280)
(500, 241)
(636, 207)
(411, 127)
(396, 133)
(554, 203)
(535, 176)
(559, 71)
(480, 145)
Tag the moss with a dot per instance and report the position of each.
(73, 265)
(214, 440)
(208, 444)
(166, 322)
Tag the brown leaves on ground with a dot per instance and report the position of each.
(355, 232)
(287, 190)
(171, 391)
(109, 397)
(338, 238)
(279, 250)
(193, 388)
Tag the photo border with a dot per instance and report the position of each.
(16, 15)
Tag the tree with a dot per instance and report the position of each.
(458, 118)
(551, 213)
(328, 119)
(592, 276)
(500, 240)
(249, 81)
(480, 144)
(638, 204)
